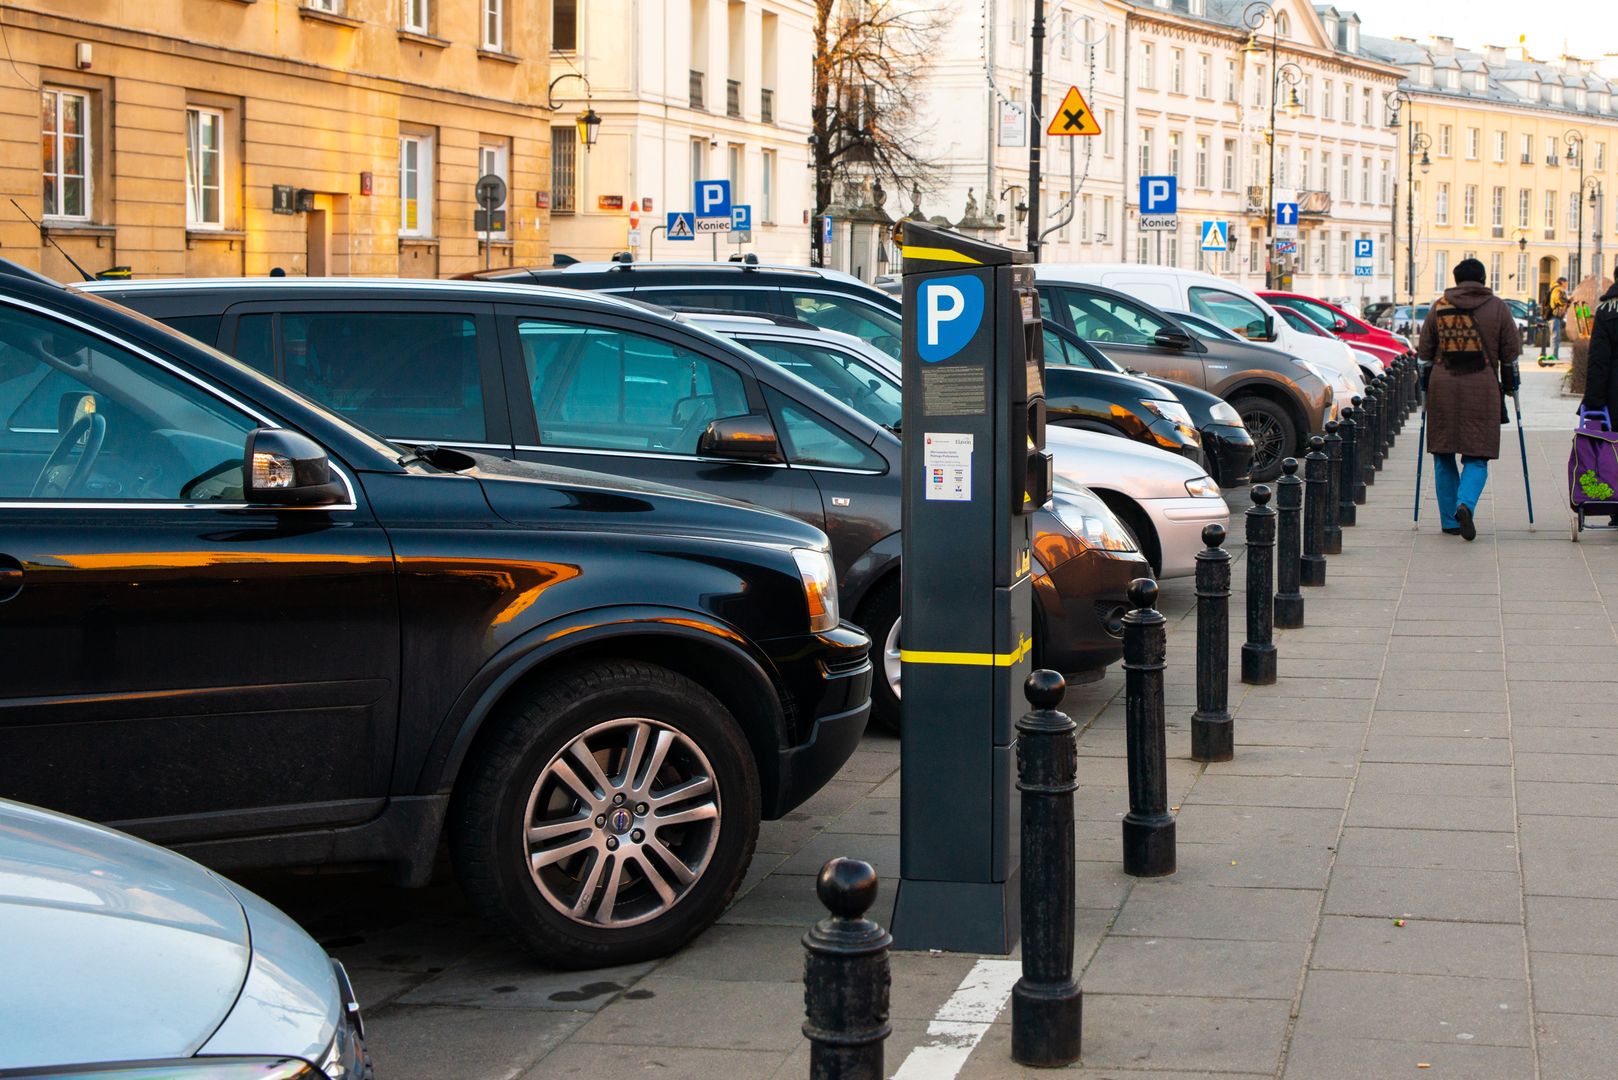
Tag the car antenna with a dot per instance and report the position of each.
(43, 235)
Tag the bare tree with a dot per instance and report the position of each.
(869, 66)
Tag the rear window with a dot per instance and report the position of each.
(867, 322)
(712, 298)
(204, 328)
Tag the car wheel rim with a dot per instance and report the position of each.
(892, 666)
(621, 823)
(1266, 433)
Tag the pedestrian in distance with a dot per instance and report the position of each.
(1556, 307)
(1469, 348)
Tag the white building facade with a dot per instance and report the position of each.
(686, 90)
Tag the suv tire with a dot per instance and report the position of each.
(881, 621)
(600, 727)
(1275, 435)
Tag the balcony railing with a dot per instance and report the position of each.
(696, 90)
(1553, 160)
(1550, 234)
(733, 97)
(766, 106)
(1528, 159)
(1497, 231)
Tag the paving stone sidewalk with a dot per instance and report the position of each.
(1441, 748)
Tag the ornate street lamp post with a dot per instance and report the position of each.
(1254, 16)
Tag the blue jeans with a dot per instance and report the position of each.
(1458, 486)
(1556, 338)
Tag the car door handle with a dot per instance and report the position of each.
(10, 578)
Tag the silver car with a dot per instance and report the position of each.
(1147, 488)
(122, 959)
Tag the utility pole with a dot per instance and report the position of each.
(1035, 120)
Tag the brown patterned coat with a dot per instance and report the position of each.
(1464, 407)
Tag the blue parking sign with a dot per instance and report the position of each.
(741, 217)
(1159, 195)
(1363, 249)
(712, 199)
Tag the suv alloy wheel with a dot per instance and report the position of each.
(610, 817)
(1274, 435)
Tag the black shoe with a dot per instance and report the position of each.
(1453, 532)
(1463, 514)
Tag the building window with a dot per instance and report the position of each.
(1496, 265)
(1348, 101)
(1440, 270)
(1233, 82)
(331, 7)
(1084, 218)
(1204, 75)
(1106, 219)
(1174, 154)
(67, 145)
(1601, 157)
(1325, 173)
(1441, 211)
(1497, 210)
(1499, 148)
(1348, 178)
(1111, 52)
(699, 160)
(1202, 161)
(1283, 164)
(1366, 195)
(1177, 70)
(1384, 183)
(1573, 205)
(734, 158)
(1228, 176)
(1469, 205)
(1326, 100)
(1525, 145)
(1260, 83)
(1444, 131)
(1307, 96)
(204, 167)
(1109, 118)
(564, 169)
(1019, 16)
(494, 158)
(494, 25)
(1065, 33)
(418, 16)
(1365, 106)
(1144, 152)
(415, 185)
(1550, 215)
(565, 25)
(1472, 139)
(1522, 271)
(1552, 158)
(766, 194)
(1148, 65)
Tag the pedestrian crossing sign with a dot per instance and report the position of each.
(1073, 116)
(1215, 235)
(681, 227)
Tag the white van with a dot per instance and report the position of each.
(1231, 305)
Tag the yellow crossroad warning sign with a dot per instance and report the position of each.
(1073, 116)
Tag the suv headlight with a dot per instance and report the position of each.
(1203, 487)
(1313, 370)
(819, 587)
(1172, 411)
(1091, 521)
(1225, 413)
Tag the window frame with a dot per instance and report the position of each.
(87, 158)
(500, 147)
(194, 190)
(492, 13)
(424, 173)
(408, 21)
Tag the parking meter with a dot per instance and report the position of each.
(975, 469)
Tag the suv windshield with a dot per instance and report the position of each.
(831, 311)
(841, 375)
(1235, 313)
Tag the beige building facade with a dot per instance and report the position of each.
(223, 137)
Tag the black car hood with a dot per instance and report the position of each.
(1126, 383)
(532, 493)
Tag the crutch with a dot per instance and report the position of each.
(1522, 443)
(1421, 457)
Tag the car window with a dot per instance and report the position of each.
(597, 388)
(1062, 354)
(255, 342)
(1199, 327)
(1103, 318)
(81, 419)
(1235, 313)
(717, 299)
(837, 374)
(832, 312)
(205, 328)
(1300, 322)
(809, 440)
(400, 374)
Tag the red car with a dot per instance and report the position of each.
(1355, 332)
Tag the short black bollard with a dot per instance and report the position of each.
(1148, 827)
(1314, 513)
(1396, 411)
(1367, 422)
(1213, 735)
(1385, 423)
(1258, 652)
(846, 978)
(1375, 407)
(1047, 1006)
(1288, 546)
(1347, 515)
(1334, 481)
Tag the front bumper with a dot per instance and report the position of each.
(1179, 524)
(1177, 439)
(1229, 449)
(1079, 607)
(827, 700)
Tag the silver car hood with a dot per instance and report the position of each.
(111, 948)
(1092, 459)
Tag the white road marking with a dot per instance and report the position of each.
(962, 1021)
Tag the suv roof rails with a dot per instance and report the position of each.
(11, 269)
(759, 316)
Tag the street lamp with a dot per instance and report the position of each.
(589, 121)
(1575, 151)
(1596, 196)
(1254, 17)
(1417, 140)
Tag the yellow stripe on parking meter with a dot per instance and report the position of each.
(968, 659)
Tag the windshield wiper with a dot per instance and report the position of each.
(423, 452)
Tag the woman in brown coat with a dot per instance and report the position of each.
(1469, 348)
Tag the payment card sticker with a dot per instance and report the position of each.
(947, 460)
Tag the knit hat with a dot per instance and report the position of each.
(1470, 270)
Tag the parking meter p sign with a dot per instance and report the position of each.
(952, 310)
(713, 199)
(1363, 249)
(1159, 195)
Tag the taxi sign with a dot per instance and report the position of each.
(1073, 116)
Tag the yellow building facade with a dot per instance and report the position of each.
(222, 137)
(1500, 185)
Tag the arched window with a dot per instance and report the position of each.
(1283, 25)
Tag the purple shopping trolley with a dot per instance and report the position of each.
(1592, 471)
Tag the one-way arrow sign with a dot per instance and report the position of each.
(1286, 213)
(1073, 116)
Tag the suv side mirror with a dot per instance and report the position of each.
(285, 468)
(1261, 329)
(1340, 326)
(741, 438)
(1170, 338)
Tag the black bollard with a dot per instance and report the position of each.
(1047, 1006)
(1148, 827)
(1347, 515)
(1288, 546)
(1396, 414)
(1213, 735)
(1314, 513)
(1365, 416)
(1385, 420)
(846, 978)
(1334, 480)
(1258, 652)
(1375, 407)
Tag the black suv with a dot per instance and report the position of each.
(236, 624)
(600, 382)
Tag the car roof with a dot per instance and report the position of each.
(268, 286)
(735, 269)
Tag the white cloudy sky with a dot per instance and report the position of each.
(1587, 27)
